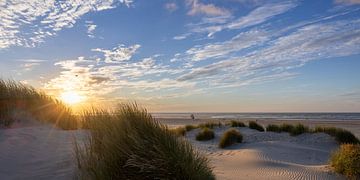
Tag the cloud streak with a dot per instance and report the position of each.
(29, 22)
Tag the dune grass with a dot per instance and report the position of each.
(299, 129)
(190, 127)
(256, 126)
(230, 137)
(342, 136)
(346, 160)
(210, 124)
(234, 123)
(205, 134)
(179, 131)
(130, 144)
(18, 98)
(273, 128)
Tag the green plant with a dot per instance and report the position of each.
(254, 125)
(346, 160)
(299, 129)
(190, 127)
(230, 137)
(210, 125)
(130, 144)
(236, 124)
(205, 134)
(341, 135)
(19, 99)
(179, 131)
(286, 127)
(273, 128)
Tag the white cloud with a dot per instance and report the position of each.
(216, 50)
(29, 22)
(120, 53)
(257, 16)
(197, 7)
(278, 56)
(181, 37)
(348, 2)
(171, 7)
(90, 28)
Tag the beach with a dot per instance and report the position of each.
(270, 155)
(40, 151)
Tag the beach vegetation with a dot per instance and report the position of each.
(205, 134)
(179, 131)
(210, 124)
(346, 160)
(20, 99)
(256, 126)
(342, 136)
(299, 129)
(230, 137)
(273, 128)
(190, 127)
(129, 144)
(234, 123)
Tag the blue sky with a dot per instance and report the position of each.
(188, 55)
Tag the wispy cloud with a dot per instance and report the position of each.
(257, 16)
(120, 53)
(29, 22)
(196, 7)
(171, 7)
(90, 28)
(348, 2)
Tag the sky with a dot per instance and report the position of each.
(188, 55)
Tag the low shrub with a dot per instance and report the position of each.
(341, 135)
(299, 129)
(210, 125)
(179, 131)
(254, 125)
(346, 160)
(205, 134)
(286, 127)
(236, 124)
(190, 127)
(130, 144)
(230, 137)
(273, 128)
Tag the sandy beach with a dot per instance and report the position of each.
(269, 155)
(37, 151)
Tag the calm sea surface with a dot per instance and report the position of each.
(280, 116)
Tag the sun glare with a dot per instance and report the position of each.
(71, 97)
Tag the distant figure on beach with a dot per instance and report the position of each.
(192, 116)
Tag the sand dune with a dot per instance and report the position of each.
(268, 155)
(39, 151)
(36, 152)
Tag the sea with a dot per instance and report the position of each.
(264, 116)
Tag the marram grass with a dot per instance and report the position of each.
(230, 137)
(17, 98)
(346, 160)
(130, 144)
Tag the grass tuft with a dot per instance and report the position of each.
(342, 136)
(17, 98)
(346, 160)
(210, 125)
(205, 134)
(286, 128)
(254, 125)
(273, 128)
(130, 144)
(179, 131)
(230, 137)
(190, 127)
(237, 124)
(299, 129)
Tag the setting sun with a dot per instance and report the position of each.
(71, 97)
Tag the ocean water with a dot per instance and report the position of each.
(279, 116)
